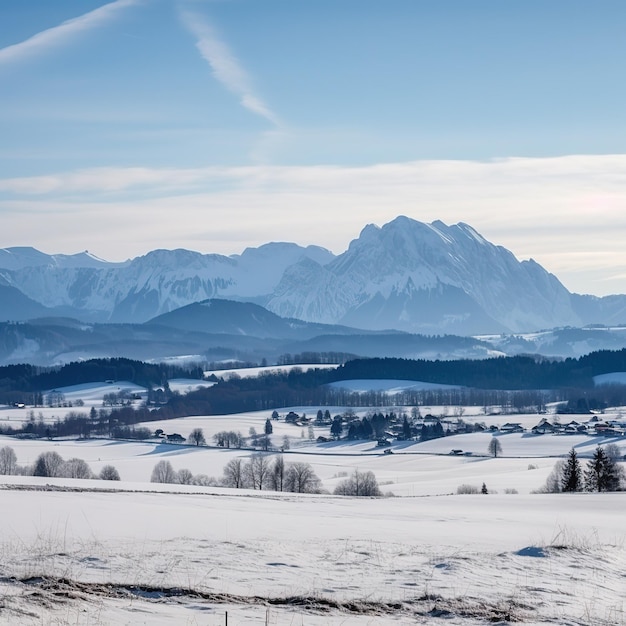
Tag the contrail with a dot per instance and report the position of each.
(225, 66)
(58, 35)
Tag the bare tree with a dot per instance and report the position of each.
(108, 472)
(277, 474)
(48, 464)
(253, 436)
(258, 471)
(235, 439)
(202, 480)
(234, 475)
(495, 447)
(185, 477)
(301, 478)
(613, 452)
(197, 436)
(359, 484)
(8, 461)
(76, 468)
(163, 472)
(554, 482)
(229, 439)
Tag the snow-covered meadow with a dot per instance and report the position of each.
(135, 552)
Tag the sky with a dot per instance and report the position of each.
(215, 125)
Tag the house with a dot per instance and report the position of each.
(292, 417)
(512, 428)
(543, 427)
(574, 428)
(174, 438)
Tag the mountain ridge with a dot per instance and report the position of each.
(405, 275)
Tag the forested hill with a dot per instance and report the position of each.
(517, 372)
(30, 378)
(504, 373)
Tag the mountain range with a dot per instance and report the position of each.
(406, 275)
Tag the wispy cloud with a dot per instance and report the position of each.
(568, 213)
(58, 35)
(225, 65)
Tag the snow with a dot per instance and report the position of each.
(70, 550)
(388, 385)
(185, 385)
(252, 372)
(550, 559)
(614, 378)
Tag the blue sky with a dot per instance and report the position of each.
(214, 125)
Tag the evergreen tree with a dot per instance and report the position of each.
(572, 479)
(602, 474)
(354, 430)
(366, 429)
(336, 428)
(268, 427)
(406, 428)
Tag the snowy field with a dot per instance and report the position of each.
(134, 552)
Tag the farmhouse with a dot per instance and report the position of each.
(512, 428)
(543, 427)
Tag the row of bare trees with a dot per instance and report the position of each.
(261, 471)
(269, 472)
(50, 465)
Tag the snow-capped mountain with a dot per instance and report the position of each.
(425, 278)
(158, 282)
(22, 257)
(406, 275)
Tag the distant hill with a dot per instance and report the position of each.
(15, 306)
(215, 330)
(216, 315)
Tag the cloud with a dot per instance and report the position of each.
(568, 213)
(58, 35)
(226, 66)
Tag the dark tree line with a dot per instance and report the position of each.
(24, 383)
(504, 382)
(506, 373)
